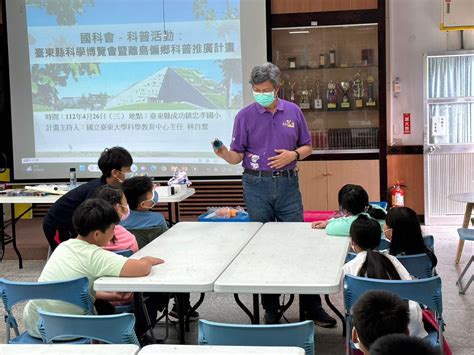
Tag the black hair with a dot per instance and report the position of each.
(114, 158)
(94, 214)
(378, 313)
(407, 237)
(355, 200)
(395, 344)
(366, 232)
(135, 190)
(108, 193)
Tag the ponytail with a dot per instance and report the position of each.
(378, 266)
(376, 213)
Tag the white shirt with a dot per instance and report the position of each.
(415, 326)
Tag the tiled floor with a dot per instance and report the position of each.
(458, 309)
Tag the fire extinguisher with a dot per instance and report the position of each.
(397, 193)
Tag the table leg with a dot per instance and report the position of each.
(193, 308)
(301, 309)
(176, 211)
(465, 224)
(338, 314)
(14, 220)
(256, 308)
(181, 311)
(245, 309)
(170, 214)
(139, 303)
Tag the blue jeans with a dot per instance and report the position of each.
(270, 199)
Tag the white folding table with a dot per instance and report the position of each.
(287, 258)
(207, 349)
(70, 349)
(195, 254)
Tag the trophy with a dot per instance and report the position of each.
(332, 57)
(281, 92)
(292, 83)
(370, 92)
(344, 86)
(304, 95)
(358, 90)
(318, 102)
(331, 95)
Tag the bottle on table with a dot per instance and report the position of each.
(72, 178)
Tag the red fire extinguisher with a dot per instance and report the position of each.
(398, 194)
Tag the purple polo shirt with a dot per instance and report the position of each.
(257, 133)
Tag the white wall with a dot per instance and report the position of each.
(413, 29)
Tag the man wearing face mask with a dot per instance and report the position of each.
(115, 164)
(269, 137)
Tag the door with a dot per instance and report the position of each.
(448, 134)
(313, 185)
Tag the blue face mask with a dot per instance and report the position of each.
(155, 197)
(264, 98)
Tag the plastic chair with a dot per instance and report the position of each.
(146, 235)
(75, 292)
(293, 334)
(111, 329)
(429, 241)
(425, 291)
(418, 265)
(126, 252)
(381, 204)
(465, 234)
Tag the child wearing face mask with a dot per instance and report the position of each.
(142, 197)
(123, 239)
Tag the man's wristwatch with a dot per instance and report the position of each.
(297, 154)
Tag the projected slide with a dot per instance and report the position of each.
(161, 78)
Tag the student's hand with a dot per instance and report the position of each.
(152, 260)
(283, 158)
(319, 224)
(125, 297)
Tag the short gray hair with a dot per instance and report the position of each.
(265, 72)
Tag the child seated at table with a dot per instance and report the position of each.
(122, 239)
(375, 314)
(353, 201)
(365, 235)
(142, 197)
(395, 344)
(403, 229)
(94, 220)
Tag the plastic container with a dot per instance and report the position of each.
(240, 217)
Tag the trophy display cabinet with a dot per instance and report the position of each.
(333, 67)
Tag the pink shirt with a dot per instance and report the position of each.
(124, 240)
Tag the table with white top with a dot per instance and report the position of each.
(210, 349)
(51, 199)
(70, 349)
(468, 199)
(289, 258)
(195, 255)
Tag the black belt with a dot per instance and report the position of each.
(274, 173)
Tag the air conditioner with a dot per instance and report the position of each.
(457, 15)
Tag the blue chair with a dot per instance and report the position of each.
(465, 234)
(111, 329)
(75, 292)
(126, 252)
(425, 291)
(418, 265)
(293, 334)
(381, 204)
(429, 241)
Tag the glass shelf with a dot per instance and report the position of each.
(350, 59)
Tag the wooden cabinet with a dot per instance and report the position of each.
(301, 6)
(320, 181)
